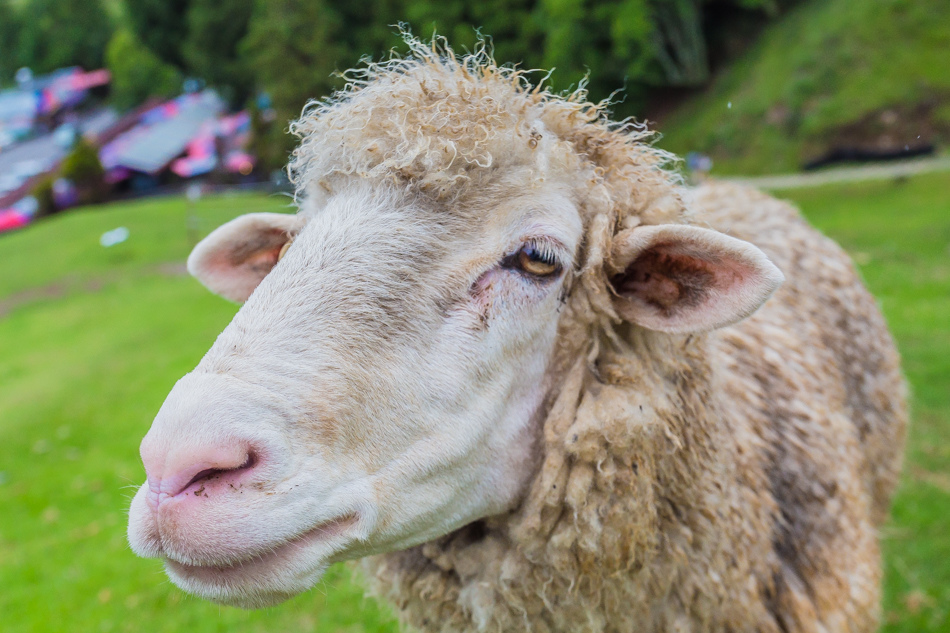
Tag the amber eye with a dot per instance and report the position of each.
(535, 260)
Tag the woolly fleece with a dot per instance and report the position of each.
(724, 481)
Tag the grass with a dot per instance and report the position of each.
(826, 65)
(899, 233)
(92, 339)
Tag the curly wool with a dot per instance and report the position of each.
(729, 481)
(445, 125)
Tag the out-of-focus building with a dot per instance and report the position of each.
(35, 105)
(155, 144)
(186, 137)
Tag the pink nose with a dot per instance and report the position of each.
(189, 469)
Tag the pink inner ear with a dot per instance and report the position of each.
(235, 270)
(258, 254)
(236, 257)
(667, 278)
(688, 279)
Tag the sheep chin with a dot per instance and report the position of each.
(270, 578)
(251, 585)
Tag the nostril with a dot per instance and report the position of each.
(207, 473)
(225, 464)
(212, 473)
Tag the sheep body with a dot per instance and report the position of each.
(731, 481)
(512, 359)
(725, 481)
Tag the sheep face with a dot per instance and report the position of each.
(385, 383)
(378, 389)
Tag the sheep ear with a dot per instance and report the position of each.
(679, 279)
(236, 257)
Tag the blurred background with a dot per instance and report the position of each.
(129, 129)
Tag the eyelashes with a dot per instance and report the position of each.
(535, 258)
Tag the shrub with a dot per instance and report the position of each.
(83, 168)
(43, 192)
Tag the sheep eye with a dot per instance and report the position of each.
(534, 259)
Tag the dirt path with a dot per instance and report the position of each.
(848, 174)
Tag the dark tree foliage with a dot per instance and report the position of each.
(137, 73)
(9, 31)
(162, 25)
(681, 33)
(199, 37)
(210, 48)
(293, 46)
(58, 33)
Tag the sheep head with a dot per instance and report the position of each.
(461, 237)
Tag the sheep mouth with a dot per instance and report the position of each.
(268, 577)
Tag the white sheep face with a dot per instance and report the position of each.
(382, 385)
(377, 390)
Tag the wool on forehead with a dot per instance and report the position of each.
(445, 124)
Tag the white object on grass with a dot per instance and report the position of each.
(115, 236)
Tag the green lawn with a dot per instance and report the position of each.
(92, 339)
(899, 233)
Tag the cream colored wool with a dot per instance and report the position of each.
(726, 481)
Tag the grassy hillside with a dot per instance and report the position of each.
(92, 339)
(832, 72)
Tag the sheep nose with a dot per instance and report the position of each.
(188, 469)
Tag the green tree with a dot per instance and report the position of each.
(679, 44)
(9, 31)
(607, 43)
(210, 48)
(57, 33)
(162, 25)
(137, 73)
(512, 26)
(199, 37)
(293, 46)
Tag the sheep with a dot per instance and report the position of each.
(506, 358)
